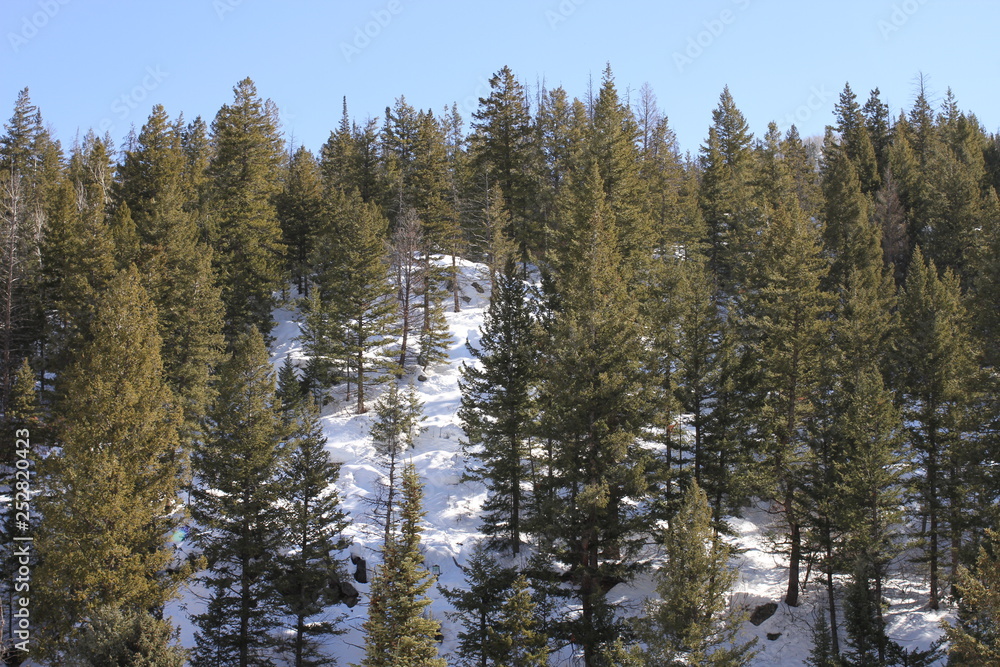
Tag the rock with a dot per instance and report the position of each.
(349, 594)
(421, 378)
(479, 288)
(773, 635)
(763, 612)
(361, 571)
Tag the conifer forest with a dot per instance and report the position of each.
(528, 387)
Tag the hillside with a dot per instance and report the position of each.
(453, 514)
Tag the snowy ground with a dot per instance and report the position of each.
(453, 508)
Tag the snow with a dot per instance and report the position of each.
(453, 509)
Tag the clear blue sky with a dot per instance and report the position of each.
(90, 63)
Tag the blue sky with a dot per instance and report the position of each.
(104, 63)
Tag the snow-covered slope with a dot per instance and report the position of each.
(453, 511)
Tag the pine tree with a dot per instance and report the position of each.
(725, 194)
(613, 148)
(519, 641)
(339, 155)
(355, 295)
(784, 323)
(597, 396)
(21, 202)
(397, 634)
(130, 638)
(696, 353)
(290, 389)
(848, 229)
(175, 263)
(497, 407)
(236, 506)
(407, 240)
(397, 424)
(435, 336)
(821, 654)
(299, 208)
(855, 142)
(479, 608)
(112, 495)
(399, 133)
(244, 228)
(502, 152)
(692, 620)
(937, 357)
(77, 253)
(975, 640)
(307, 578)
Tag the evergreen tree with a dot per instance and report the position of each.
(696, 344)
(821, 654)
(879, 125)
(598, 398)
(244, 227)
(613, 149)
(111, 497)
(407, 240)
(397, 424)
(692, 620)
(290, 389)
(21, 217)
(397, 634)
(975, 640)
(519, 641)
(398, 153)
(435, 336)
(502, 152)
(848, 230)
(339, 155)
(129, 638)
(355, 295)
(175, 263)
(307, 577)
(784, 323)
(299, 208)
(497, 407)
(855, 141)
(77, 252)
(478, 608)
(239, 469)
(725, 195)
(937, 358)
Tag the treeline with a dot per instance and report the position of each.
(807, 325)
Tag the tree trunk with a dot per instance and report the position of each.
(795, 553)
